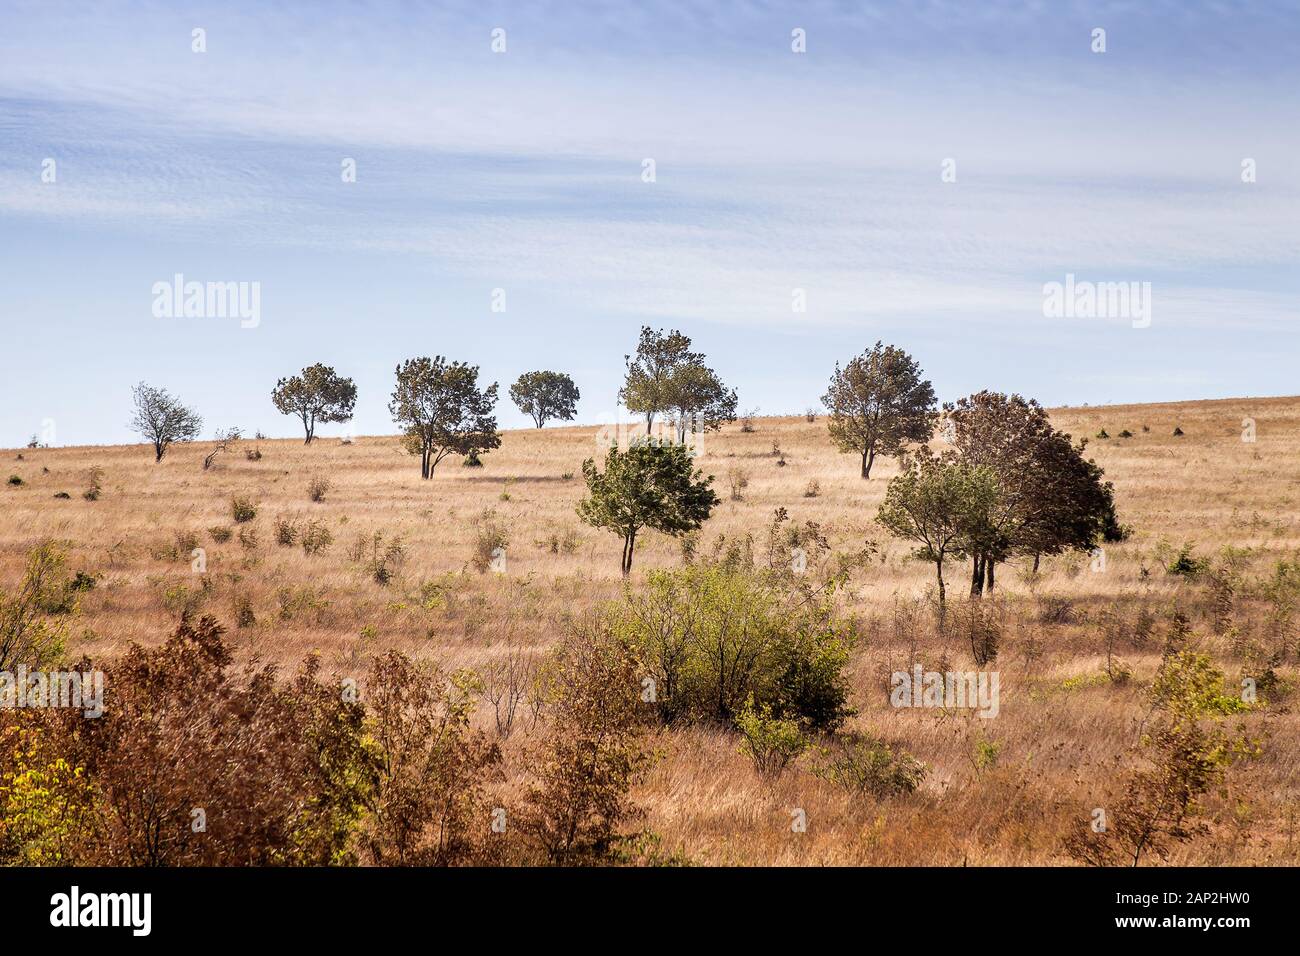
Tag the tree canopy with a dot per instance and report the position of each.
(319, 394)
(545, 395)
(878, 403)
(1051, 499)
(666, 376)
(442, 411)
(654, 484)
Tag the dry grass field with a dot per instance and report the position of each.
(998, 791)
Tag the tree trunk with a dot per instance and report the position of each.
(988, 580)
(977, 575)
(868, 459)
(943, 594)
(158, 449)
(425, 470)
(1036, 557)
(629, 544)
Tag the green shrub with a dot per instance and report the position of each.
(711, 636)
(219, 534)
(770, 742)
(16, 481)
(242, 509)
(1186, 563)
(866, 765)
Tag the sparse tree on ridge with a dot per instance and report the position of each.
(319, 394)
(878, 403)
(161, 419)
(546, 395)
(699, 399)
(653, 484)
(647, 387)
(442, 411)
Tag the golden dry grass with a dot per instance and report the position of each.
(1059, 746)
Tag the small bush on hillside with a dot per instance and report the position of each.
(16, 481)
(220, 534)
(316, 537)
(242, 509)
(867, 766)
(737, 481)
(712, 636)
(813, 490)
(33, 617)
(770, 742)
(94, 484)
(490, 542)
(593, 752)
(286, 531)
(1187, 564)
(253, 454)
(317, 488)
(381, 558)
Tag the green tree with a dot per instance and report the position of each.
(935, 501)
(319, 394)
(545, 395)
(652, 485)
(877, 403)
(1051, 499)
(648, 386)
(162, 419)
(699, 399)
(442, 411)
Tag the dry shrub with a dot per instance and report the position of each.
(492, 538)
(196, 765)
(429, 807)
(318, 487)
(578, 805)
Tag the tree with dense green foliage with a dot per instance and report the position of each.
(715, 634)
(1051, 499)
(878, 403)
(545, 395)
(935, 501)
(699, 400)
(319, 394)
(653, 485)
(442, 411)
(667, 377)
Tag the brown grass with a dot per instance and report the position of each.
(1059, 746)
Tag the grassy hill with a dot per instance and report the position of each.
(998, 791)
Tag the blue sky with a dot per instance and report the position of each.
(522, 170)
